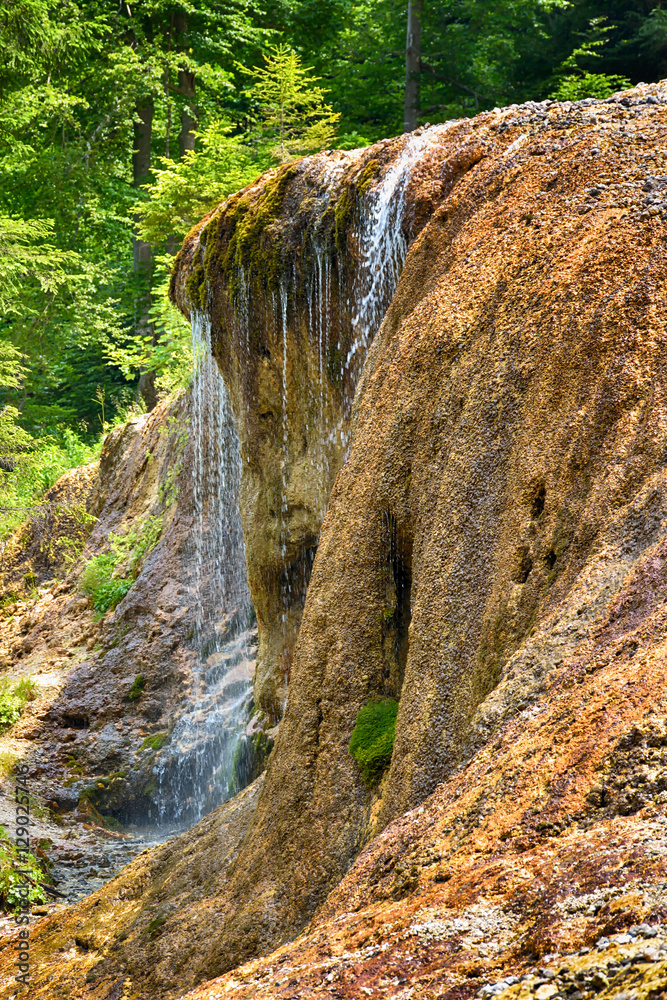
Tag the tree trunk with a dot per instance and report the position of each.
(143, 259)
(412, 65)
(186, 87)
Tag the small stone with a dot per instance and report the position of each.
(545, 992)
(599, 981)
(577, 995)
(646, 955)
(623, 939)
(602, 943)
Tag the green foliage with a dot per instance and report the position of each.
(137, 542)
(72, 76)
(30, 463)
(101, 579)
(576, 87)
(294, 118)
(14, 698)
(185, 190)
(137, 687)
(109, 594)
(23, 253)
(578, 83)
(100, 586)
(18, 869)
(7, 762)
(372, 740)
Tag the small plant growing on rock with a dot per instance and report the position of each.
(13, 700)
(100, 586)
(373, 736)
(101, 580)
(155, 742)
(155, 925)
(16, 869)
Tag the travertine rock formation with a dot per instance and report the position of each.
(295, 274)
(492, 554)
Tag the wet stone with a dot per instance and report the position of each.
(599, 981)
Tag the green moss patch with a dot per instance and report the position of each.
(155, 742)
(373, 736)
(137, 687)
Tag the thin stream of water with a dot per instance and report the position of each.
(195, 770)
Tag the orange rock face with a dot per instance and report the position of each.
(493, 554)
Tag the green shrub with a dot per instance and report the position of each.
(98, 579)
(373, 736)
(100, 586)
(96, 572)
(38, 463)
(110, 594)
(15, 871)
(13, 699)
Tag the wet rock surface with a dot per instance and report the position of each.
(128, 721)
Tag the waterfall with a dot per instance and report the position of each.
(194, 773)
(382, 248)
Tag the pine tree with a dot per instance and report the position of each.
(294, 117)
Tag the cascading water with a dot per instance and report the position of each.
(345, 290)
(194, 773)
(382, 247)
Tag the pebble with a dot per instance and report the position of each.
(644, 930)
(545, 992)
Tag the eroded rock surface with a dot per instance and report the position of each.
(494, 554)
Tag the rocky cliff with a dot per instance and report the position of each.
(492, 556)
(294, 275)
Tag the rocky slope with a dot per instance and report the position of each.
(112, 690)
(493, 555)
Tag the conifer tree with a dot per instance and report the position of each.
(294, 118)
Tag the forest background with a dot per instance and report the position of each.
(122, 123)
